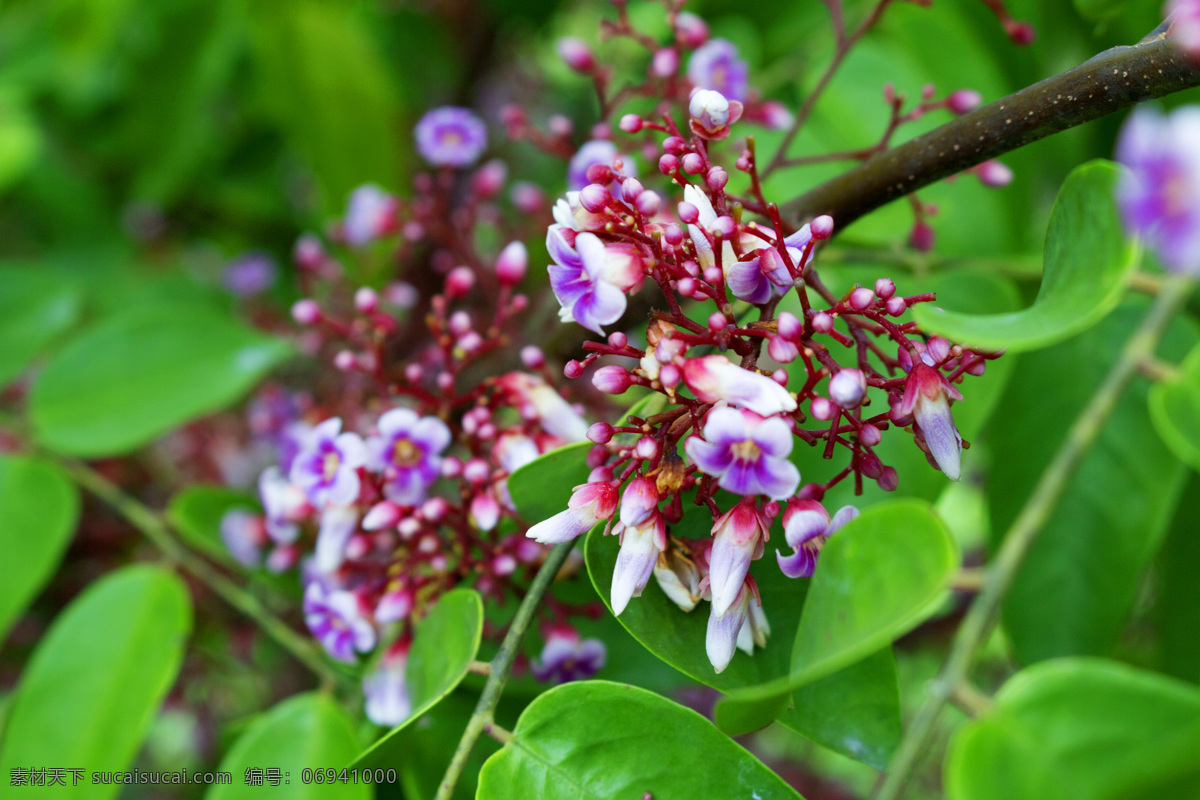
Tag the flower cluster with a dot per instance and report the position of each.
(750, 354)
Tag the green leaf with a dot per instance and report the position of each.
(867, 731)
(1087, 562)
(131, 379)
(1175, 410)
(860, 600)
(443, 647)
(307, 731)
(1176, 611)
(36, 307)
(1080, 729)
(541, 488)
(197, 511)
(1087, 263)
(39, 508)
(95, 682)
(595, 739)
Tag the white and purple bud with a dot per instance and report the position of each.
(963, 101)
(712, 114)
(715, 378)
(385, 689)
(994, 174)
(338, 524)
(926, 397)
(639, 501)
(720, 643)
(648, 203)
(382, 515)
(612, 379)
(484, 511)
(306, 312)
(565, 657)
(806, 526)
(738, 538)
(590, 503)
(336, 620)
(641, 545)
(848, 387)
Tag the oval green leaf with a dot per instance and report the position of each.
(867, 729)
(875, 581)
(595, 739)
(541, 488)
(39, 508)
(36, 307)
(131, 379)
(1087, 261)
(445, 643)
(1081, 729)
(95, 682)
(1175, 410)
(307, 731)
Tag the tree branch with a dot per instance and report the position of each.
(1113, 80)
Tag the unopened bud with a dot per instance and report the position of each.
(964, 100)
(512, 263)
(612, 379)
(577, 55)
(459, 281)
(822, 227)
(594, 198)
(306, 312)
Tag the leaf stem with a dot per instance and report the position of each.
(154, 528)
(981, 616)
(483, 718)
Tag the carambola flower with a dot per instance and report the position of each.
(335, 619)
(566, 657)
(408, 453)
(386, 689)
(591, 278)
(926, 396)
(738, 538)
(716, 66)
(715, 378)
(746, 453)
(597, 151)
(590, 503)
(370, 214)
(325, 468)
(806, 526)
(451, 137)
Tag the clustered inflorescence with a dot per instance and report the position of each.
(397, 482)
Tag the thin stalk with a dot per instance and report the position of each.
(981, 617)
(154, 528)
(483, 719)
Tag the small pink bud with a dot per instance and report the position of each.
(861, 298)
(577, 55)
(532, 357)
(366, 300)
(572, 369)
(743, 163)
(665, 63)
(382, 515)
(690, 30)
(716, 178)
(630, 123)
(451, 467)
(847, 387)
(345, 361)
(445, 381)
(938, 349)
(870, 435)
(459, 323)
(789, 326)
(489, 179)
(648, 203)
(646, 448)
(822, 227)
(669, 376)
(964, 100)
(601, 174)
(434, 509)
(896, 306)
(306, 312)
(687, 287)
(922, 236)
(668, 164)
(618, 339)
(476, 471)
(528, 197)
(823, 410)
(674, 145)
(631, 188)
(594, 198)
(600, 433)
(822, 322)
(692, 163)
(673, 235)
(688, 213)
(459, 281)
(888, 480)
(717, 321)
(994, 174)
(782, 350)
(413, 373)
(512, 263)
(612, 379)
(560, 125)
(885, 288)
(713, 276)
(1021, 33)
(725, 226)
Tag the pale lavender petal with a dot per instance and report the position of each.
(725, 426)
(396, 421)
(747, 282)
(604, 305)
(937, 425)
(354, 452)
(727, 569)
(344, 489)
(711, 459)
(337, 525)
(432, 433)
(721, 639)
(635, 565)
(563, 526)
(798, 565)
(803, 526)
(842, 517)
(774, 437)
(778, 478)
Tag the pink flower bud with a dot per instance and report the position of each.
(822, 322)
(725, 226)
(345, 361)
(822, 409)
(366, 300)
(861, 298)
(434, 509)
(688, 213)
(382, 515)
(790, 327)
(600, 433)
(964, 100)
(896, 306)
(528, 197)
(532, 357)
(476, 471)
(782, 350)
(648, 204)
(885, 288)
(870, 435)
(594, 198)
(668, 164)
(459, 282)
(560, 125)
(673, 235)
(646, 448)
(459, 323)
(888, 480)
(665, 63)
(994, 174)
(713, 276)
(690, 30)
(306, 312)
(692, 163)
(922, 236)
(630, 123)
(451, 467)
(1021, 33)
(847, 388)
(669, 375)
(600, 173)
(577, 55)
(489, 179)
(717, 321)
(822, 227)
(572, 369)
(716, 178)
(612, 379)
(512, 263)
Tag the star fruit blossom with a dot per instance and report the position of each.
(590, 278)
(408, 453)
(746, 453)
(325, 467)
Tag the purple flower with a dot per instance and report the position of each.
(1159, 196)
(250, 274)
(335, 619)
(597, 151)
(738, 537)
(590, 280)
(244, 535)
(806, 526)
(566, 657)
(716, 66)
(766, 275)
(370, 214)
(926, 397)
(715, 378)
(285, 504)
(451, 137)
(746, 453)
(325, 466)
(386, 690)
(408, 452)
